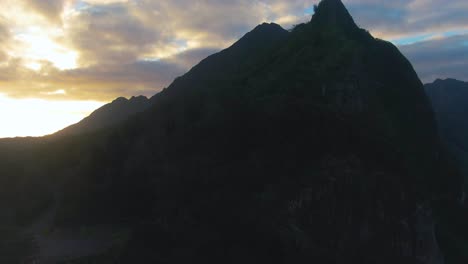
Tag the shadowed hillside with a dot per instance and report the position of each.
(111, 114)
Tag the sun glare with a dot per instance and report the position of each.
(36, 46)
(37, 117)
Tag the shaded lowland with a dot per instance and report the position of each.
(315, 145)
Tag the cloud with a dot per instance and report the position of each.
(122, 48)
(50, 9)
(406, 18)
(101, 49)
(5, 38)
(110, 34)
(106, 83)
(440, 58)
(96, 82)
(189, 58)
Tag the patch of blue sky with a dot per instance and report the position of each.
(453, 33)
(180, 44)
(377, 10)
(80, 5)
(151, 59)
(413, 39)
(309, 11)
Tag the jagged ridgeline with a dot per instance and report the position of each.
(315, 145)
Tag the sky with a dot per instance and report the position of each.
(62, 59)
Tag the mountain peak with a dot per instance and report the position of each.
(120, 100)
(140, 98)
(451, 81)
(265, 31)
(333, 12)
(268, 27)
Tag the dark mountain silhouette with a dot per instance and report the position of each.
(108, 115)
(335, 13)
(314, 145)
(449, 98)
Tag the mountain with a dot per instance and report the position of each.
(314, 145)
(449, 99)
(108, 115)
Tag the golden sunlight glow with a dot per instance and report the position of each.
(33, 65)
(37, 45)
(37, 117)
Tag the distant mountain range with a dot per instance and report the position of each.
(449, 98)
(315, 145)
